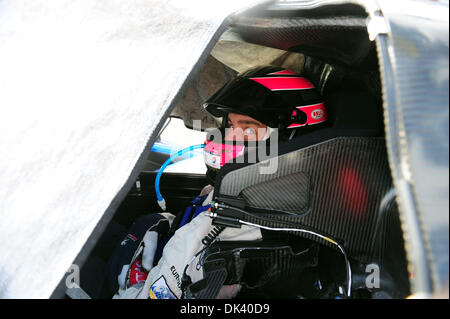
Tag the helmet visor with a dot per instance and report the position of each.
(270, 100)
(245, 96)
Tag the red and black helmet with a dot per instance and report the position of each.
(277, 97)
(274, 96)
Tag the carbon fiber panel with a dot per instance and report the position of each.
(349, 177)
(307, 35)
(290, 194)
(416, 79)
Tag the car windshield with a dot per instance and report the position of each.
(175, 137)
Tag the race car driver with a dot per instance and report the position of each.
(263, 103)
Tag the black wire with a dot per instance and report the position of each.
(270, 220)
(207, 241)
(212, 235)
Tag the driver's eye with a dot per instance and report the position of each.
(250, 131)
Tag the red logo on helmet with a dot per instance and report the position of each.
(317, 114)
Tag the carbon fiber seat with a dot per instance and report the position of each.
(331, 180)
(335, 181)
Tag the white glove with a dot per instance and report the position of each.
(150, 243)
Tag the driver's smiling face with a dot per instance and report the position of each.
(244, 128)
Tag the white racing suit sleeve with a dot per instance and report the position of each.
(150, 242)
(164, 280)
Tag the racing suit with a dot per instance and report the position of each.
(141, 279)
